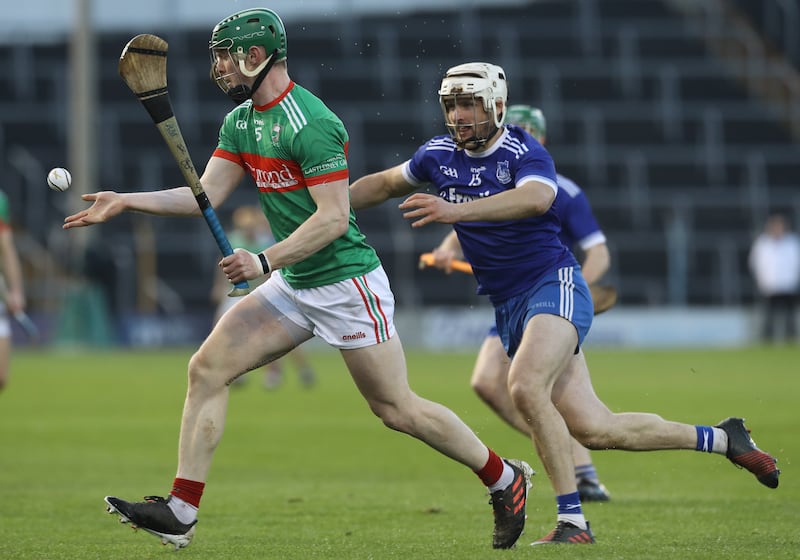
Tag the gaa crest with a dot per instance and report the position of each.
(275, 134)
(503, 172)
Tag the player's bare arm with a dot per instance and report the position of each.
(595, 263)
(329, 222)
(370, 190)
(219, 179)
(529, 199)
(448, 250)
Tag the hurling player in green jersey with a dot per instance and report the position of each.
(324, 280)
(14, 296)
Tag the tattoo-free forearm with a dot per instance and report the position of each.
(178, 201)
(370, 190)
(530, 199)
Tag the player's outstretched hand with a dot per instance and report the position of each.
(428, 208)
(105, 205)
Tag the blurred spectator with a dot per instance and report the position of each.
(14, 293)
(775, 263)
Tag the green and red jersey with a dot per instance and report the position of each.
(293, 143)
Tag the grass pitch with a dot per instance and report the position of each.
(305, 474)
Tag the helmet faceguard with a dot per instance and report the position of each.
(530, 118)
(465, 85)
(235, 35)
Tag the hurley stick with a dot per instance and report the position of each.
(143, 66)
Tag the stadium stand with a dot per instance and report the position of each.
(680, 158)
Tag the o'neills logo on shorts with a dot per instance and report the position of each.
(354, 336)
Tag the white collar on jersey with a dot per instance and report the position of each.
(494, 147)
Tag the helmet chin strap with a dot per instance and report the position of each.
(243, 92)
(479, 141)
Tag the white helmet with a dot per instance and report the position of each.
(477, 79)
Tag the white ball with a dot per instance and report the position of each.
(59, 179)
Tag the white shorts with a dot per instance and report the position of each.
(225, 304)
(353, 313)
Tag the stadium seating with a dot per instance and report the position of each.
(656, 127)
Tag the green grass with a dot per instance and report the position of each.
(312, 474)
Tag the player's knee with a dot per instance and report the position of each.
(590, 435)
(201, 372)
(584, 438)
(525, 396)
(486, 391)
(395, 416)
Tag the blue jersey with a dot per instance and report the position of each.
(578, 224)
(507, 257)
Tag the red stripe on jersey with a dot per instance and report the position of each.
(274, 174)
(275, 101)
(278, 175)
(327, 178)
(230, 156)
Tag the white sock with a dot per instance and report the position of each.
(505, 479)
(184, 512)
(720, 441)
(576, 519)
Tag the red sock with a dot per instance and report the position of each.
(189, 491)
(492, 470)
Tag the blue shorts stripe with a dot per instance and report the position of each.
(567, 292)
(563, 292)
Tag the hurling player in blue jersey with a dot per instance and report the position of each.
(579, 229)
(497, 186)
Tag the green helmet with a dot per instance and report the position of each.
(530, 118)
(248, 28)
(257, 27)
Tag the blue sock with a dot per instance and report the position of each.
(586, 472)
(705, 438)
(569, 504)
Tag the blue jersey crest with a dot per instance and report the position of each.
(503, 173)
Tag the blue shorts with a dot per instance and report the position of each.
(563, 292)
